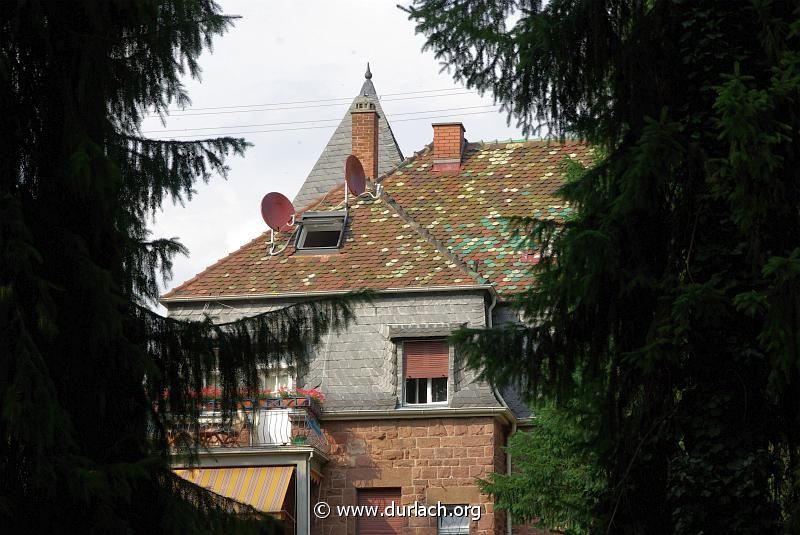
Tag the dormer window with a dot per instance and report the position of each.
(321, 231)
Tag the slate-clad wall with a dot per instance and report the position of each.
(361, 368)
(504, 314)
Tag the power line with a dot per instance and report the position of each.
(218, 134)
(309, 101)
(441, 116)
(307, 122)
(312, 105)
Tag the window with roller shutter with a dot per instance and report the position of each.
(425, 368)
(377, 524)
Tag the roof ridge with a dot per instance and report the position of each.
(318, 200)
(405, 162)
(530, 141)
(413, 223)
(422, 231)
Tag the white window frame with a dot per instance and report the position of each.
(429, 391)
(323, 225)
(275, 373)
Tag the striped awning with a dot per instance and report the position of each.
(316, 477)
(261, 487)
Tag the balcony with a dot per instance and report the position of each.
(265, 424)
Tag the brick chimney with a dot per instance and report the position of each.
(365, 135)
(448, 146)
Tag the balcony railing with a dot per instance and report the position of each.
(251, 427)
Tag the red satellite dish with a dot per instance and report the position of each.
(354, 175)
(276, 210)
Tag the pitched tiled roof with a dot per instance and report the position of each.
(327, 172)
(467, 211)
(430, 229)
(381, 251)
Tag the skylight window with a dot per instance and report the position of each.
(321, 231)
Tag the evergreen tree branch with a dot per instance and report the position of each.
(671, 298)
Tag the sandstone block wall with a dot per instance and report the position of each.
(429, 460)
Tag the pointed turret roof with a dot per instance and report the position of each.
(329, 169)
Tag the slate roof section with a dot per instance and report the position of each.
(329, 169)
(513, 398)
(468, 211)
(381, 251)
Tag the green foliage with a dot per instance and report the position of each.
(84, 364)
(674, 290)
(556, 482)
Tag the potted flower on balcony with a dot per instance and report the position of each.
(247, 398)
(210, 397)
(310, 398)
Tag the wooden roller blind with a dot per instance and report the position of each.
(377, 524)
(426, 358)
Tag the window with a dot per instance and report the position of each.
(273, 379)
(426, 364)
(455, 522)
(421, 390)
(321, 230)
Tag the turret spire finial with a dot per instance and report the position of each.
(368, 74)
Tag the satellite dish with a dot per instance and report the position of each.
(354, 176)
(276, 210)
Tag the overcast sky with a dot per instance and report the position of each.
(279, 52)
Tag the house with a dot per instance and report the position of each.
(402, 420)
